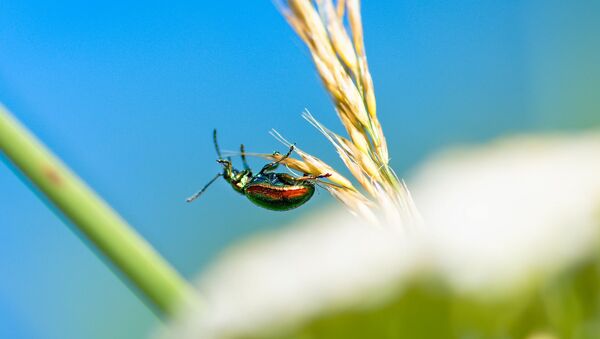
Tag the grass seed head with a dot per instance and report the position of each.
(338, 52)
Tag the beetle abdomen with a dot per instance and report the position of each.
(279, 198)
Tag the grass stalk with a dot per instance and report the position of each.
(94, 218)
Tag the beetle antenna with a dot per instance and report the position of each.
(216, 144)
(195, 196)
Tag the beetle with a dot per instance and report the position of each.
(267, 189)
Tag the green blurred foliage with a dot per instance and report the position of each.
(566, 305)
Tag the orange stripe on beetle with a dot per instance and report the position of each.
(277, 193)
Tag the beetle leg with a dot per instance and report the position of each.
(273, 165)
(291, 180)
(225, 163)
(243, 155)
(313, 177)
(228, 171)
(287, 178)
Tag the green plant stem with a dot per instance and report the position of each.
(130, 253)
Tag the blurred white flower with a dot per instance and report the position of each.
(496, 218)
(517, 207)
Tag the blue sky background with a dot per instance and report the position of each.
(128, 94)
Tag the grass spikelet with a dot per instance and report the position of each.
(339, 55)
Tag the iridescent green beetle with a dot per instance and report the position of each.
(274, 191)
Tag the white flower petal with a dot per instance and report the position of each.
(517, 207)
